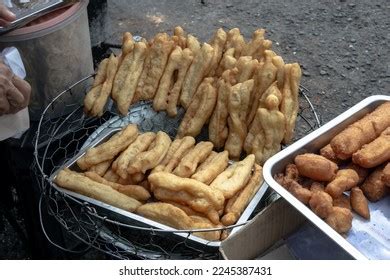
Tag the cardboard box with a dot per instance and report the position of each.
(276, 221)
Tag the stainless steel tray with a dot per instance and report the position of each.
(147, 120)
(366, 239)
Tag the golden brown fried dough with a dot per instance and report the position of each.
(153, 156)
(195, 74)
(273, 124)
(126, 79)
(290, 104)
(237, 204)
(218, 44)
(235, 177)
(200, 222)
(340, 219)
(101, 73)
(316, 167)
(255, 139)
(345, 180)
(140, 144)
(187, 191)
(292, 172)
(218, 131)
(91, 97)
(374, 153)
(179, 37)
(264, 76)
(168, 91)
(317, 187)
(246, 67)
(362, 172)
(101, 100)
(373, 187)
(188, 210)
(166, 214)
(200, 109)
(238, 105)
(235, 40)
(327, 152)
(193, 44)
(280, 72)
(227, 62)
(342, 201)
(211, 167)
(108, 150)
(386, 175)
(365, 130)
(186, 145)
(154, 66)
(171, 151)
(111, 176)
(101, 168)
(321, 203)
(192, 159)
(301, 193)
(359, 203)
(134, 191)
(254, 46)
(81, 184)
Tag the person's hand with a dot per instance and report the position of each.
(6, 16)
(14, 92)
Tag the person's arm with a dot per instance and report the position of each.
(14, 92)
(6, 16)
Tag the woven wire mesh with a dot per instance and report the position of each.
(61, 137)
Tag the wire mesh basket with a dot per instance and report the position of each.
(61, 138)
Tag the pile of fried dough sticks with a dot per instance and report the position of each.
(179, 183)
(243, 91)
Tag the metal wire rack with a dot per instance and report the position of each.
(62, 131)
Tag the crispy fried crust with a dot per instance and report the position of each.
(316, 167)
(373, 187)
(345, 180)
(235, 177)
(374, 153)
(199, 111)
(365, 130)
(237, 204)
(321, 203)
(101, 168)
(340, 219)
(101, 73)
(359, 203)
(153, 156)
(109, 149)
(81, 184)
(192, 159)
(386, 175)
(211, 167)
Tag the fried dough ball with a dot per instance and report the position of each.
(359, 203)
(344, 181)
(316, 167)
(321, 203)
(340, 219)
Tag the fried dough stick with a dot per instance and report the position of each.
(238, 104)
(171, 82)
(237, 204)
(264, 77)
(153, 156)
(126, 79)
(235, 40)
(235, 177)
(290, 104)
(179, 37)
(101, 168)
(200, 109)
(134, 191)
(81, 184)
(155, 62)
(246, 67)
(218, 131)
(200, 222)
(218, 43)
(101, 73)
(186, 145)
(211, 167)
(200, 197)
(374, 153)
(255, 139)
(195, 74)
(273, 124)
(171, 151)
(108, 150)
(365, 130)
(140, 144)
(192, 159)
(228, 61)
